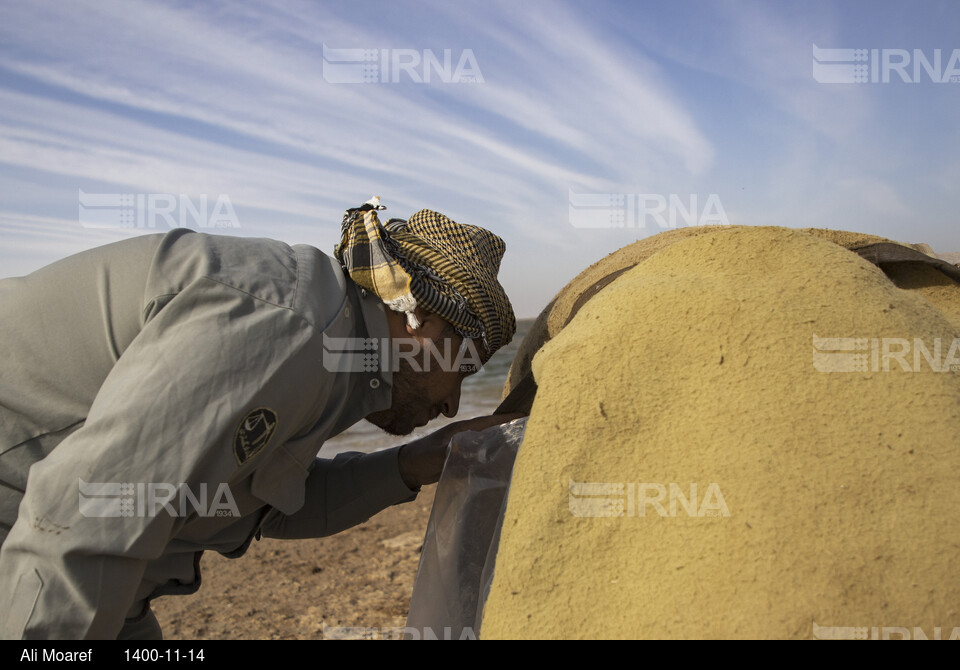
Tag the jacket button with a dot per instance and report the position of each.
(374, 383)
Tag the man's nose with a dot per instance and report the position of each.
(452, 404)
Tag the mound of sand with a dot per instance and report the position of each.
(581, 289)
(697, 462)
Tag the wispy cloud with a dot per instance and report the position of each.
(654, 98)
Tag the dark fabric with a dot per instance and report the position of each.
(433, 262)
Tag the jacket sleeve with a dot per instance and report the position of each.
(168, 414)
(342, 493)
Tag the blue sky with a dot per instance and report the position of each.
(684, 99)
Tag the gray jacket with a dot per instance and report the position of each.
(165, 395)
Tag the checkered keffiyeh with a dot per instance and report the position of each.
(430, 261)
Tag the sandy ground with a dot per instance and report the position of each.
(290, 589)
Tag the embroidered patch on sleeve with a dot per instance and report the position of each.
(253, 433)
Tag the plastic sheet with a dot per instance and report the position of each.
(460, 545)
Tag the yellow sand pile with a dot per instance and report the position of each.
(558, 313)
(697, 465)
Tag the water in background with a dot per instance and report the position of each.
(480, 395)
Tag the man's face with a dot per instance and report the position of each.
(427, 382)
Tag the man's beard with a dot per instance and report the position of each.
(400, 418)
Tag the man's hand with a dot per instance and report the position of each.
(421, 461)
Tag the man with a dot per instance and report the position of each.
(168, 394)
